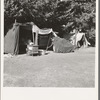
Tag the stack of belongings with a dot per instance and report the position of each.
(61, 45)
(32, 49)
(29, 49)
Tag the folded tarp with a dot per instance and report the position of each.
(35, 28)
(41, 31)
(45, 31)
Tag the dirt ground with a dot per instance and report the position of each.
(75, 69)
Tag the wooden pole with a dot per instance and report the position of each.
(33, 36)
(33, 33)
(36, 38)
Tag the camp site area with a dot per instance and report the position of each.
(49, 43)
(52, 70)
(62, 65)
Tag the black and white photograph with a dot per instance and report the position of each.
(49, 49)
(49, 43)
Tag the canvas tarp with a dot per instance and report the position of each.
(45, 31)
(11, 40)
(61, 45)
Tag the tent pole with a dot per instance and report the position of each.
(33, 36)
(33, 33)
(36, 38)
(76, 32)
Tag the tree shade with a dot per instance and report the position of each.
(52, 14)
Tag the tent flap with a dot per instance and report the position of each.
(11, 41)
(45, 31)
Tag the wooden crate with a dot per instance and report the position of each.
(33, 51)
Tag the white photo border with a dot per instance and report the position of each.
(13, 93)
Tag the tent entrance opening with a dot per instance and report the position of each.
(24, 36)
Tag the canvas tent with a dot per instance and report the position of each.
(77, 38)
(16, 38)
(61, 45)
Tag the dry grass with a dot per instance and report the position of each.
(53, 70)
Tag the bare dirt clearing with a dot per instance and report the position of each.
(75, 69)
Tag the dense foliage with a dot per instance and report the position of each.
(62, 16)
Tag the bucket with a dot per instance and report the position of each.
(41, 52)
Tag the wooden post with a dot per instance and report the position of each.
(33, 36)
(36, 38)
(33, 33)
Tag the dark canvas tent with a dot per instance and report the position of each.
(17, 37)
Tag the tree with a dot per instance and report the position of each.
(53, 14)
